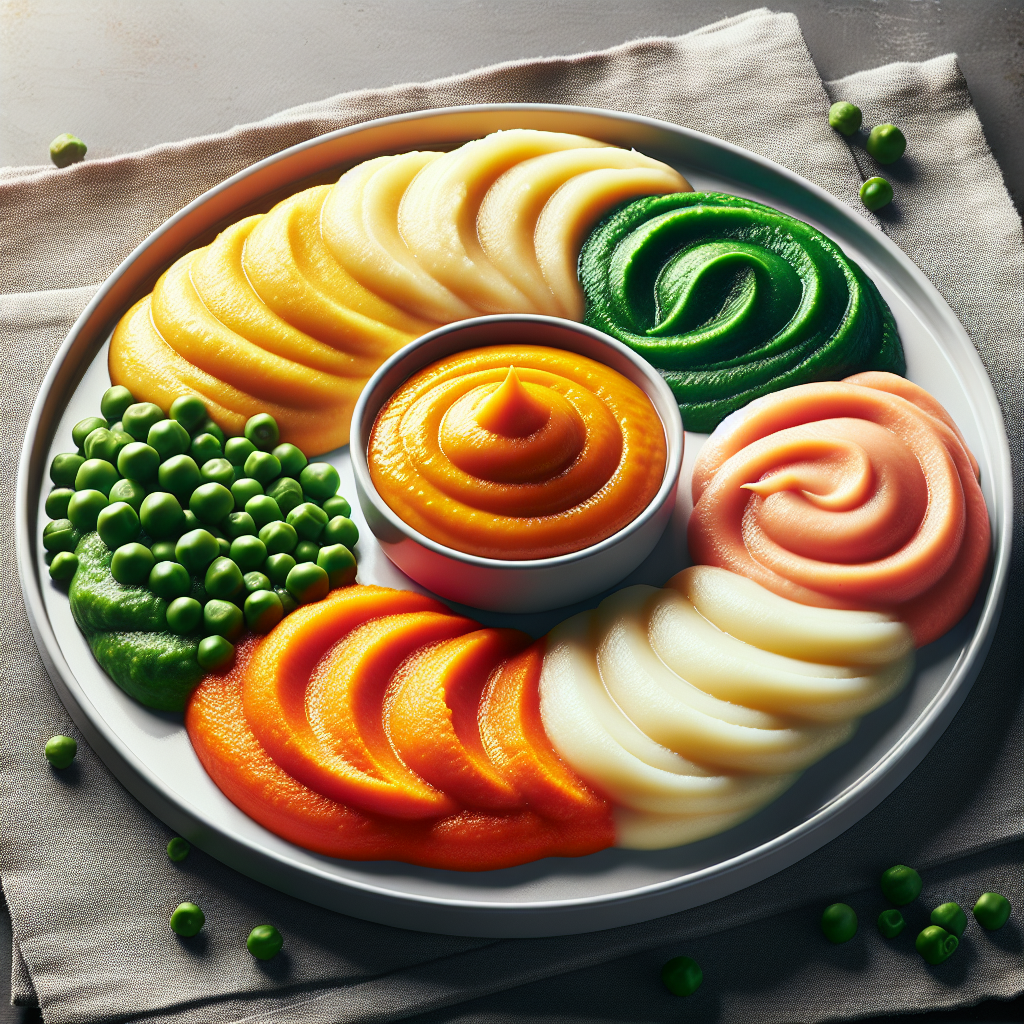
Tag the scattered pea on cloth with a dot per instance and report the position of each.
(839, 923)
(891, 923)
(178, 849)
(992, 911)
(67, 149)
(682, 976)
(845, 117)
(60, 751)
(886, 143)
(901, 885)
(950, 917)
(187, 920)
(935, 944)
(265, 942)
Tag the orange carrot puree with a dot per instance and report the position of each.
(517, 452)
(341, 681)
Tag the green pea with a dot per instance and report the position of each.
(169, 438)
(57, 502)
(339, 563)
(187, 919)
(876, 193)
(84, 507)
(161, 515)
(169, 580)
(253, 581)
(118, 426)
(196, 550)
(341, 530)
(244, 489)
(163, 550)
(287, 601)
(238, 449)
(845, 117)
(262, 430)
(306, 551)
(891, 923)
(293, 462)
(117, 524)
(277, 568)
(218, 471)
(223, 579)
(205, 447)
(935, 944)
(138, 419)
(222, 618)
(839, 923)
(129, 492)
(63, 566)
(83, 428)
(106, 444)
(264, 942)
(308, 582)
(60, 751)
(900, 885)
(60, 535)
(115, 402)
(215, 653)
(886, 143)
(189, 411)
(96, 475)
(139, 462)
(67, 149)
(320, 479)
(309, 520)
(262, 466)
(280, 538)
(179, 475)
(64, 469)
(178, 849)
(337, 506)
(286, 492)
(248, 552)
(991, 911)
(131, 564)
(263, 510)
(951, 917)
(263, 611)
(211, 428)
(238, 524)
(211, 502)
(184, 615)
(682, 976)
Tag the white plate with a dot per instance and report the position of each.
(150, 753)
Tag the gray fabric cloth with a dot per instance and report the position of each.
(82, 863)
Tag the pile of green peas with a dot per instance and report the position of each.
(173, 498)
(937, 941)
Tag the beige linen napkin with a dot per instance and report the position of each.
(82, 863)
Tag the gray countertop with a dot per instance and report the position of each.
(125, 75)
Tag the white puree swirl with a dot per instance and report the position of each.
(693, 706)
(495, 226)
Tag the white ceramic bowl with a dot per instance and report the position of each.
(497, 584)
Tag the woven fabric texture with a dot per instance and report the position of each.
(82, 863)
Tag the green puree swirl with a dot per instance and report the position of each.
(730, 300)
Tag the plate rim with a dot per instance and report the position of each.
(527, 917)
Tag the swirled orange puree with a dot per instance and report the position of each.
(517, 452)
(857, 494)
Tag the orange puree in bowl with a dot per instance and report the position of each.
(517, 452)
